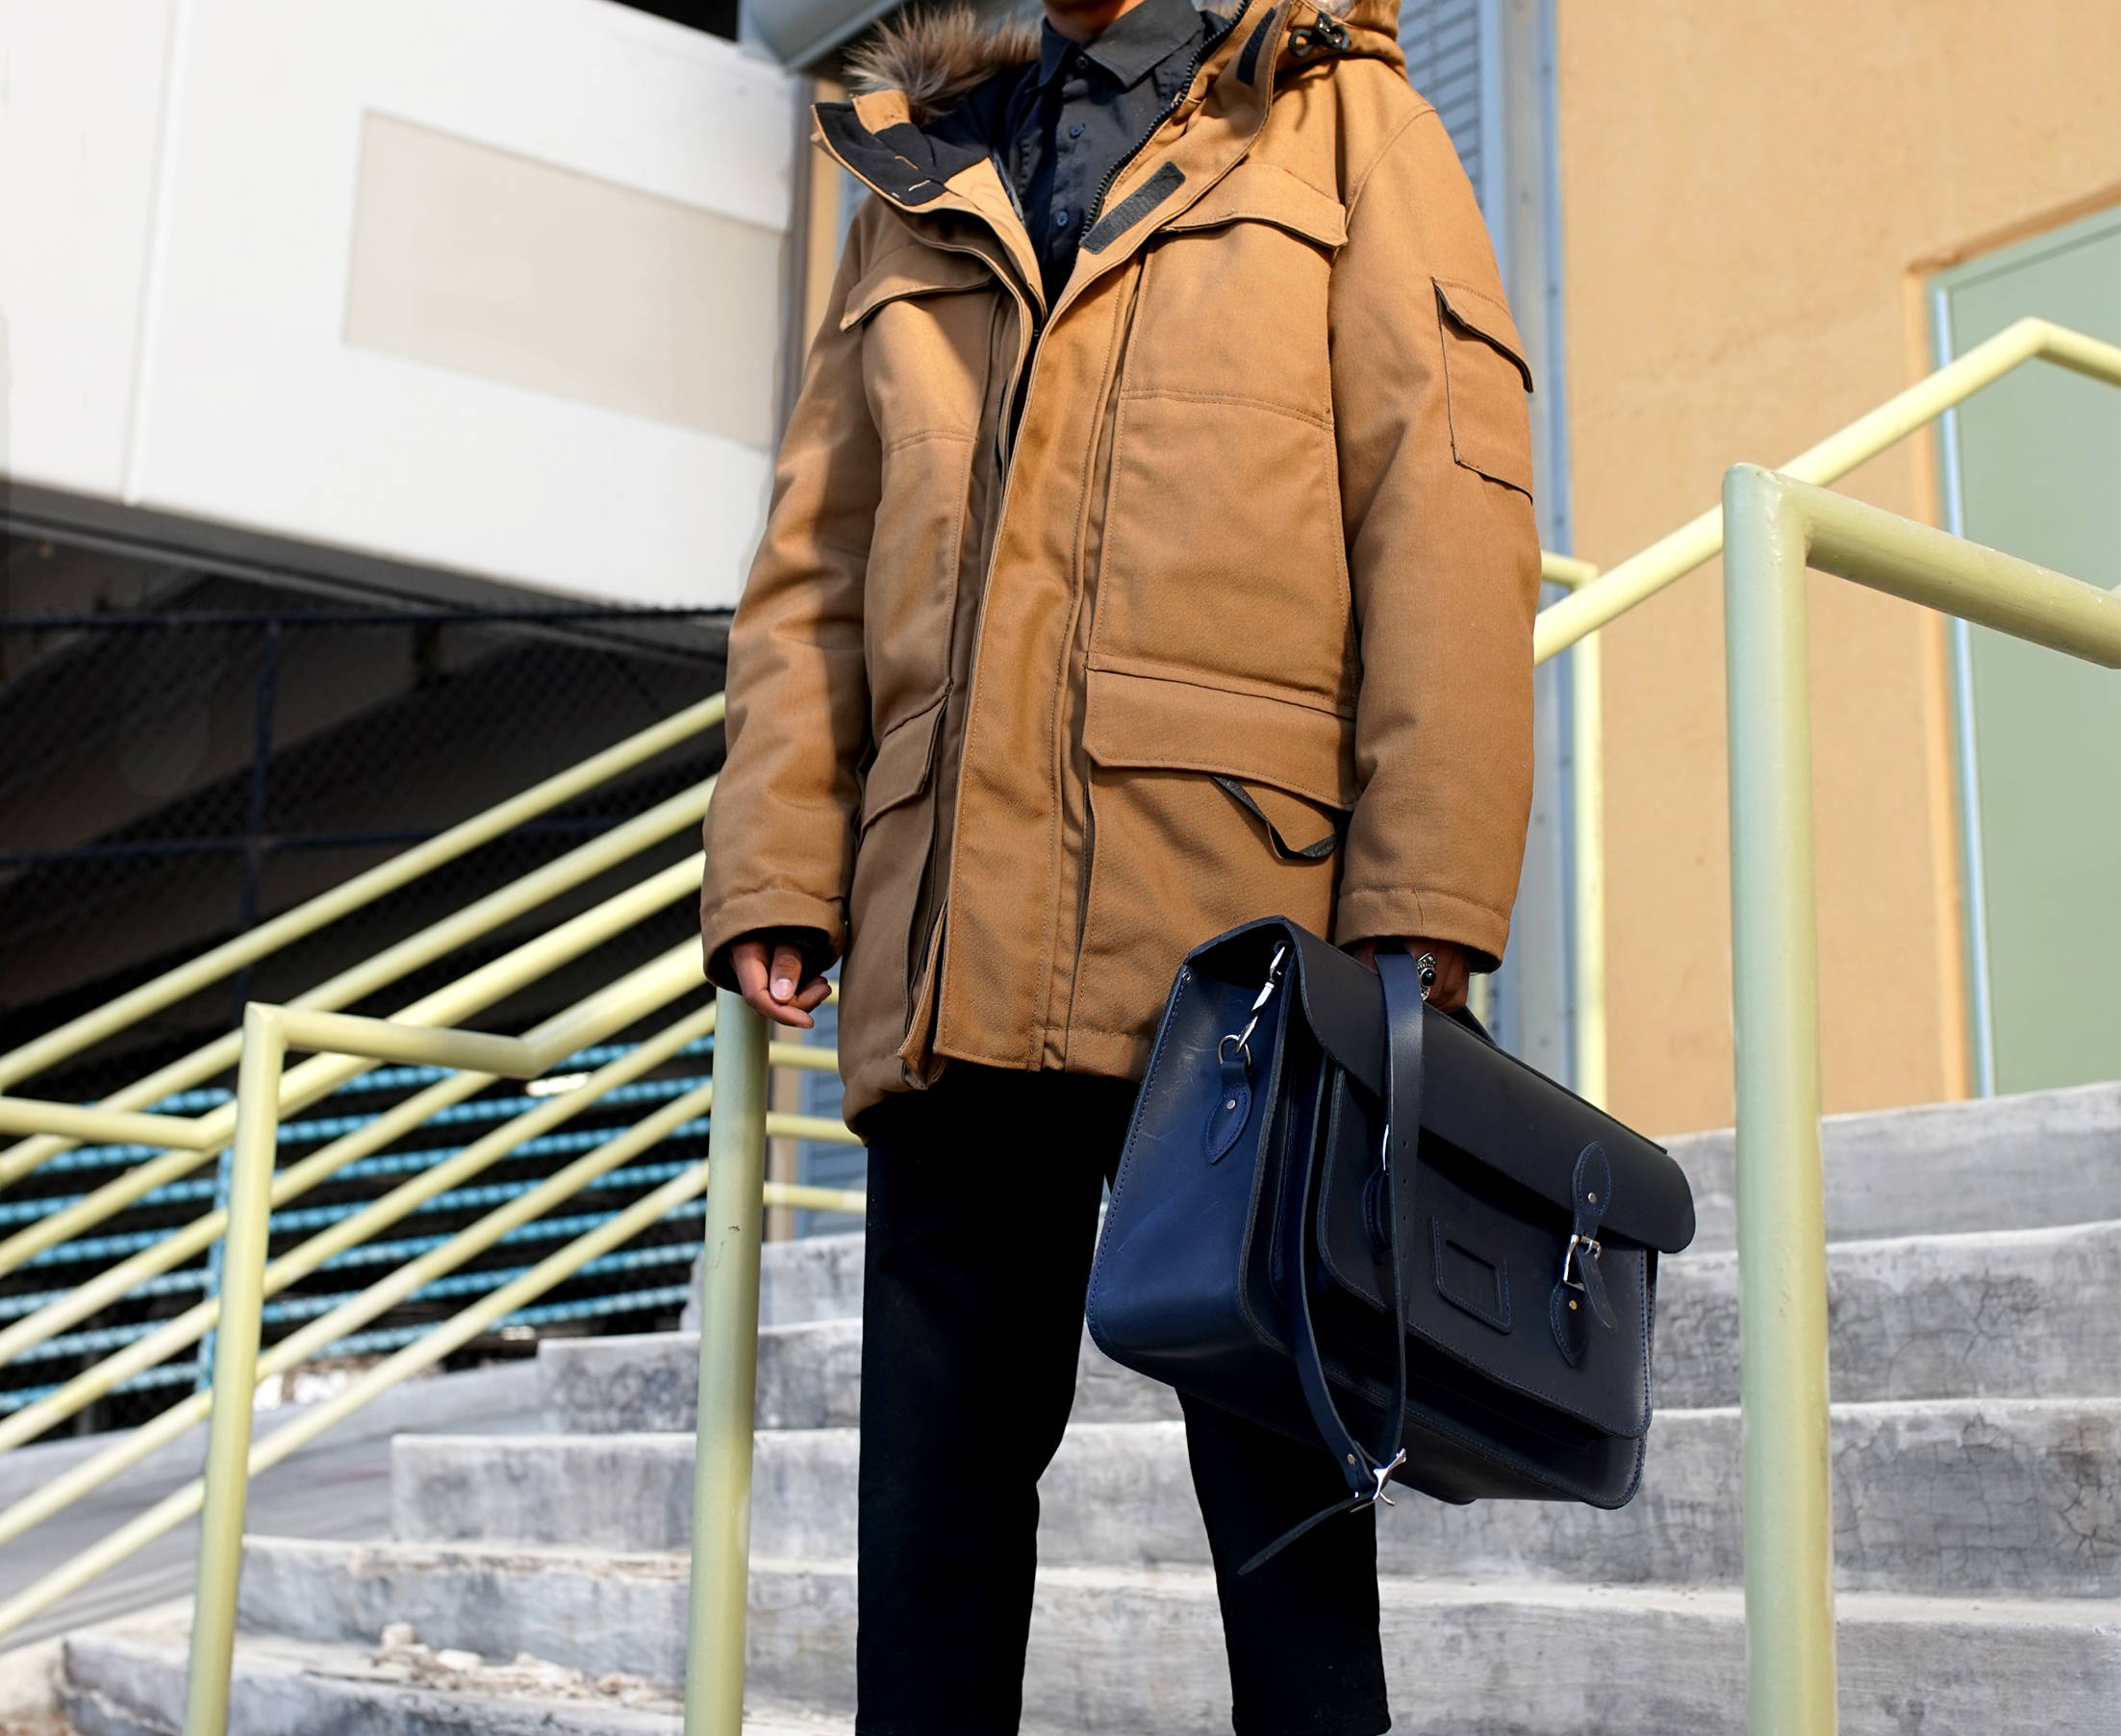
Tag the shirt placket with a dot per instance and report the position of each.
(1071, 162)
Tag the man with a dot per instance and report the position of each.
(1150, 549)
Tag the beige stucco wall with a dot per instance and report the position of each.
(1751, 199)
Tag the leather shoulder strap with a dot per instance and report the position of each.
(1364, 1469)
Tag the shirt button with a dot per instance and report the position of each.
(1060, 219)
(1076, 131)
(1082, 60)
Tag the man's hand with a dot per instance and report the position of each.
(770, 976)
(1450, 992)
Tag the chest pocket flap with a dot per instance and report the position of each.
(1262, 193)
(914, 270)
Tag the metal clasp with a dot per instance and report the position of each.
(1266, 993)
(1384, 1474)
(1569, 1256)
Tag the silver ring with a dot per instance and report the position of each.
(1425, 969)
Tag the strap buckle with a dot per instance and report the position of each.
(1384, 1474)
(1570, 1257)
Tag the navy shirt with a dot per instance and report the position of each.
(1080, 109)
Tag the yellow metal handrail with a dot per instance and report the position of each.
(1596, 599)
(574, 869)
(1778, 527)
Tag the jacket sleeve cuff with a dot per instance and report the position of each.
(730, 919)
(1370, 913)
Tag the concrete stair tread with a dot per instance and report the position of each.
(1971, 1313)
(124, 1678)
(1402, 1590)
(1973, 1495)
(1139, 1650)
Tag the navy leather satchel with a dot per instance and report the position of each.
(1351, 1216)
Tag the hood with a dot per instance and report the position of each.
(934, 54)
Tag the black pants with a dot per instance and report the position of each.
(984, 1195)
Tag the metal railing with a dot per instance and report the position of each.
(1597, 598)
(231, 1313)
(1775, 519)
(1779, 527)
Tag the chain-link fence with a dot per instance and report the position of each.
(170, 777)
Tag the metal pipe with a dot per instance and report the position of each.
(377, 973)
(1779, 527)
(609, 1009)
(1587, 838)
(728, 1376)
(1788, 1519)
(323, 1074)
(226, 1483)
(1672, 557)
(171, 1335)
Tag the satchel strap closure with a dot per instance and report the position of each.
(1590, 1192)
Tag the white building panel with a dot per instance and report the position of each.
(82, 85)
(570, 389)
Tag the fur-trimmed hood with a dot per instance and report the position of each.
(935, 53)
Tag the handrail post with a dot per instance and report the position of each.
(243, 1298)
(1780, 1179)
(1587, 731)
(728, 1374)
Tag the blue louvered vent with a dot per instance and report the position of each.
(1442, 43)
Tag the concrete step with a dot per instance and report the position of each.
(810, 1376)
(2033, 1161)
(1140, 1650)
(129, 1681)
(1961, 1498)
(2009, 1314)
(1991, 1313)
(2028, 1162)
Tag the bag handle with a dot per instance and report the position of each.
(1367, 1471)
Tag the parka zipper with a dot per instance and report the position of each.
(1208, 44)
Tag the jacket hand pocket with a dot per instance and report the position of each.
(905, 762)
(1486, 378)
(1208, 807)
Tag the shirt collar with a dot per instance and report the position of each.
(1128, 46)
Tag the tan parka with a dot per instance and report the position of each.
(1214, 601)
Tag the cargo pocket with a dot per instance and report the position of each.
(1486, 378)
(1208, 808)
(897, 826)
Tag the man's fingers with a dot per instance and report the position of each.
(747, 959)
(815, 994)
(788, 972)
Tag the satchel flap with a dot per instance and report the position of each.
(1487, 1103)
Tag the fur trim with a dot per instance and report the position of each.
(937, 53)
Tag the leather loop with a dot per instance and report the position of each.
(1233, 1108)
(1309, 852)
(1591, 1194)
